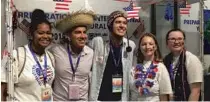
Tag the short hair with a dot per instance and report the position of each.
(172, 30)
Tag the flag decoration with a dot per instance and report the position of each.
(4, 56)
(147, 2)
(49, 72)
(132, 11)
(169, 12)
(184, 8)
(140, 29)
(62, 5)
(5, 52)
(24, 26)
(38, 73)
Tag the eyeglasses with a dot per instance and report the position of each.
(175, 39)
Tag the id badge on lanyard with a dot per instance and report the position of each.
(117, 80)
(74, 92)
(73, 89)
(46, 90)
(117, 83)
(46, 93)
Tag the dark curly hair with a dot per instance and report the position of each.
(38, 17)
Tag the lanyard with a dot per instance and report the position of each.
(44, 71)
(116, 63)
(171, 71)
(71, 62)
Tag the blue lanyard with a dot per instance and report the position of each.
(44, 71)
(71, 63)
(171, 71)
(116, 63)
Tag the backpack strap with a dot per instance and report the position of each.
(52, 59)
(21, 57)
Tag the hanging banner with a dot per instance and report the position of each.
(136, 25)
(99, 28)
(24, 19)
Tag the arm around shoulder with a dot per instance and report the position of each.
(96, 42)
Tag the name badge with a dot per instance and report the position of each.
(116, 84)
(74, 92)
(46, 93)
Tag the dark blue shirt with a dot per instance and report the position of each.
(105, 93)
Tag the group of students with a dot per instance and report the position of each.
(102, 70)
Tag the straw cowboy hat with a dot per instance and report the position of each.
(75, 19)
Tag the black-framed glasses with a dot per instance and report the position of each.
(175, 39)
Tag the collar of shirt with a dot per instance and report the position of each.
(84, 52)
(175, 60)
(116, 45)
(122, 43)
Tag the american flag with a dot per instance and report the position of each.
(142, 2)
(184, 8)
(132, 11)
(62, 5)
(24, 26)
(49, 73)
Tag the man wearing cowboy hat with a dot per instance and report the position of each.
(112, 62)
(73, 59)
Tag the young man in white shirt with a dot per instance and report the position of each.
(112, 62)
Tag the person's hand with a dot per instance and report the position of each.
(171, 97)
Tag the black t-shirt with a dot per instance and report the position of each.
(105, 93)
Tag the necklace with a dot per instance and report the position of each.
(145, 78)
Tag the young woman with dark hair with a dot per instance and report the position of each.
(33, 65)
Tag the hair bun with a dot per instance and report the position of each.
(38, 14)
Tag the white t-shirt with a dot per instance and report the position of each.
(162, 84)
(193, 66)
(29, 84)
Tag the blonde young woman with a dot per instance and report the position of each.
(149, 78)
